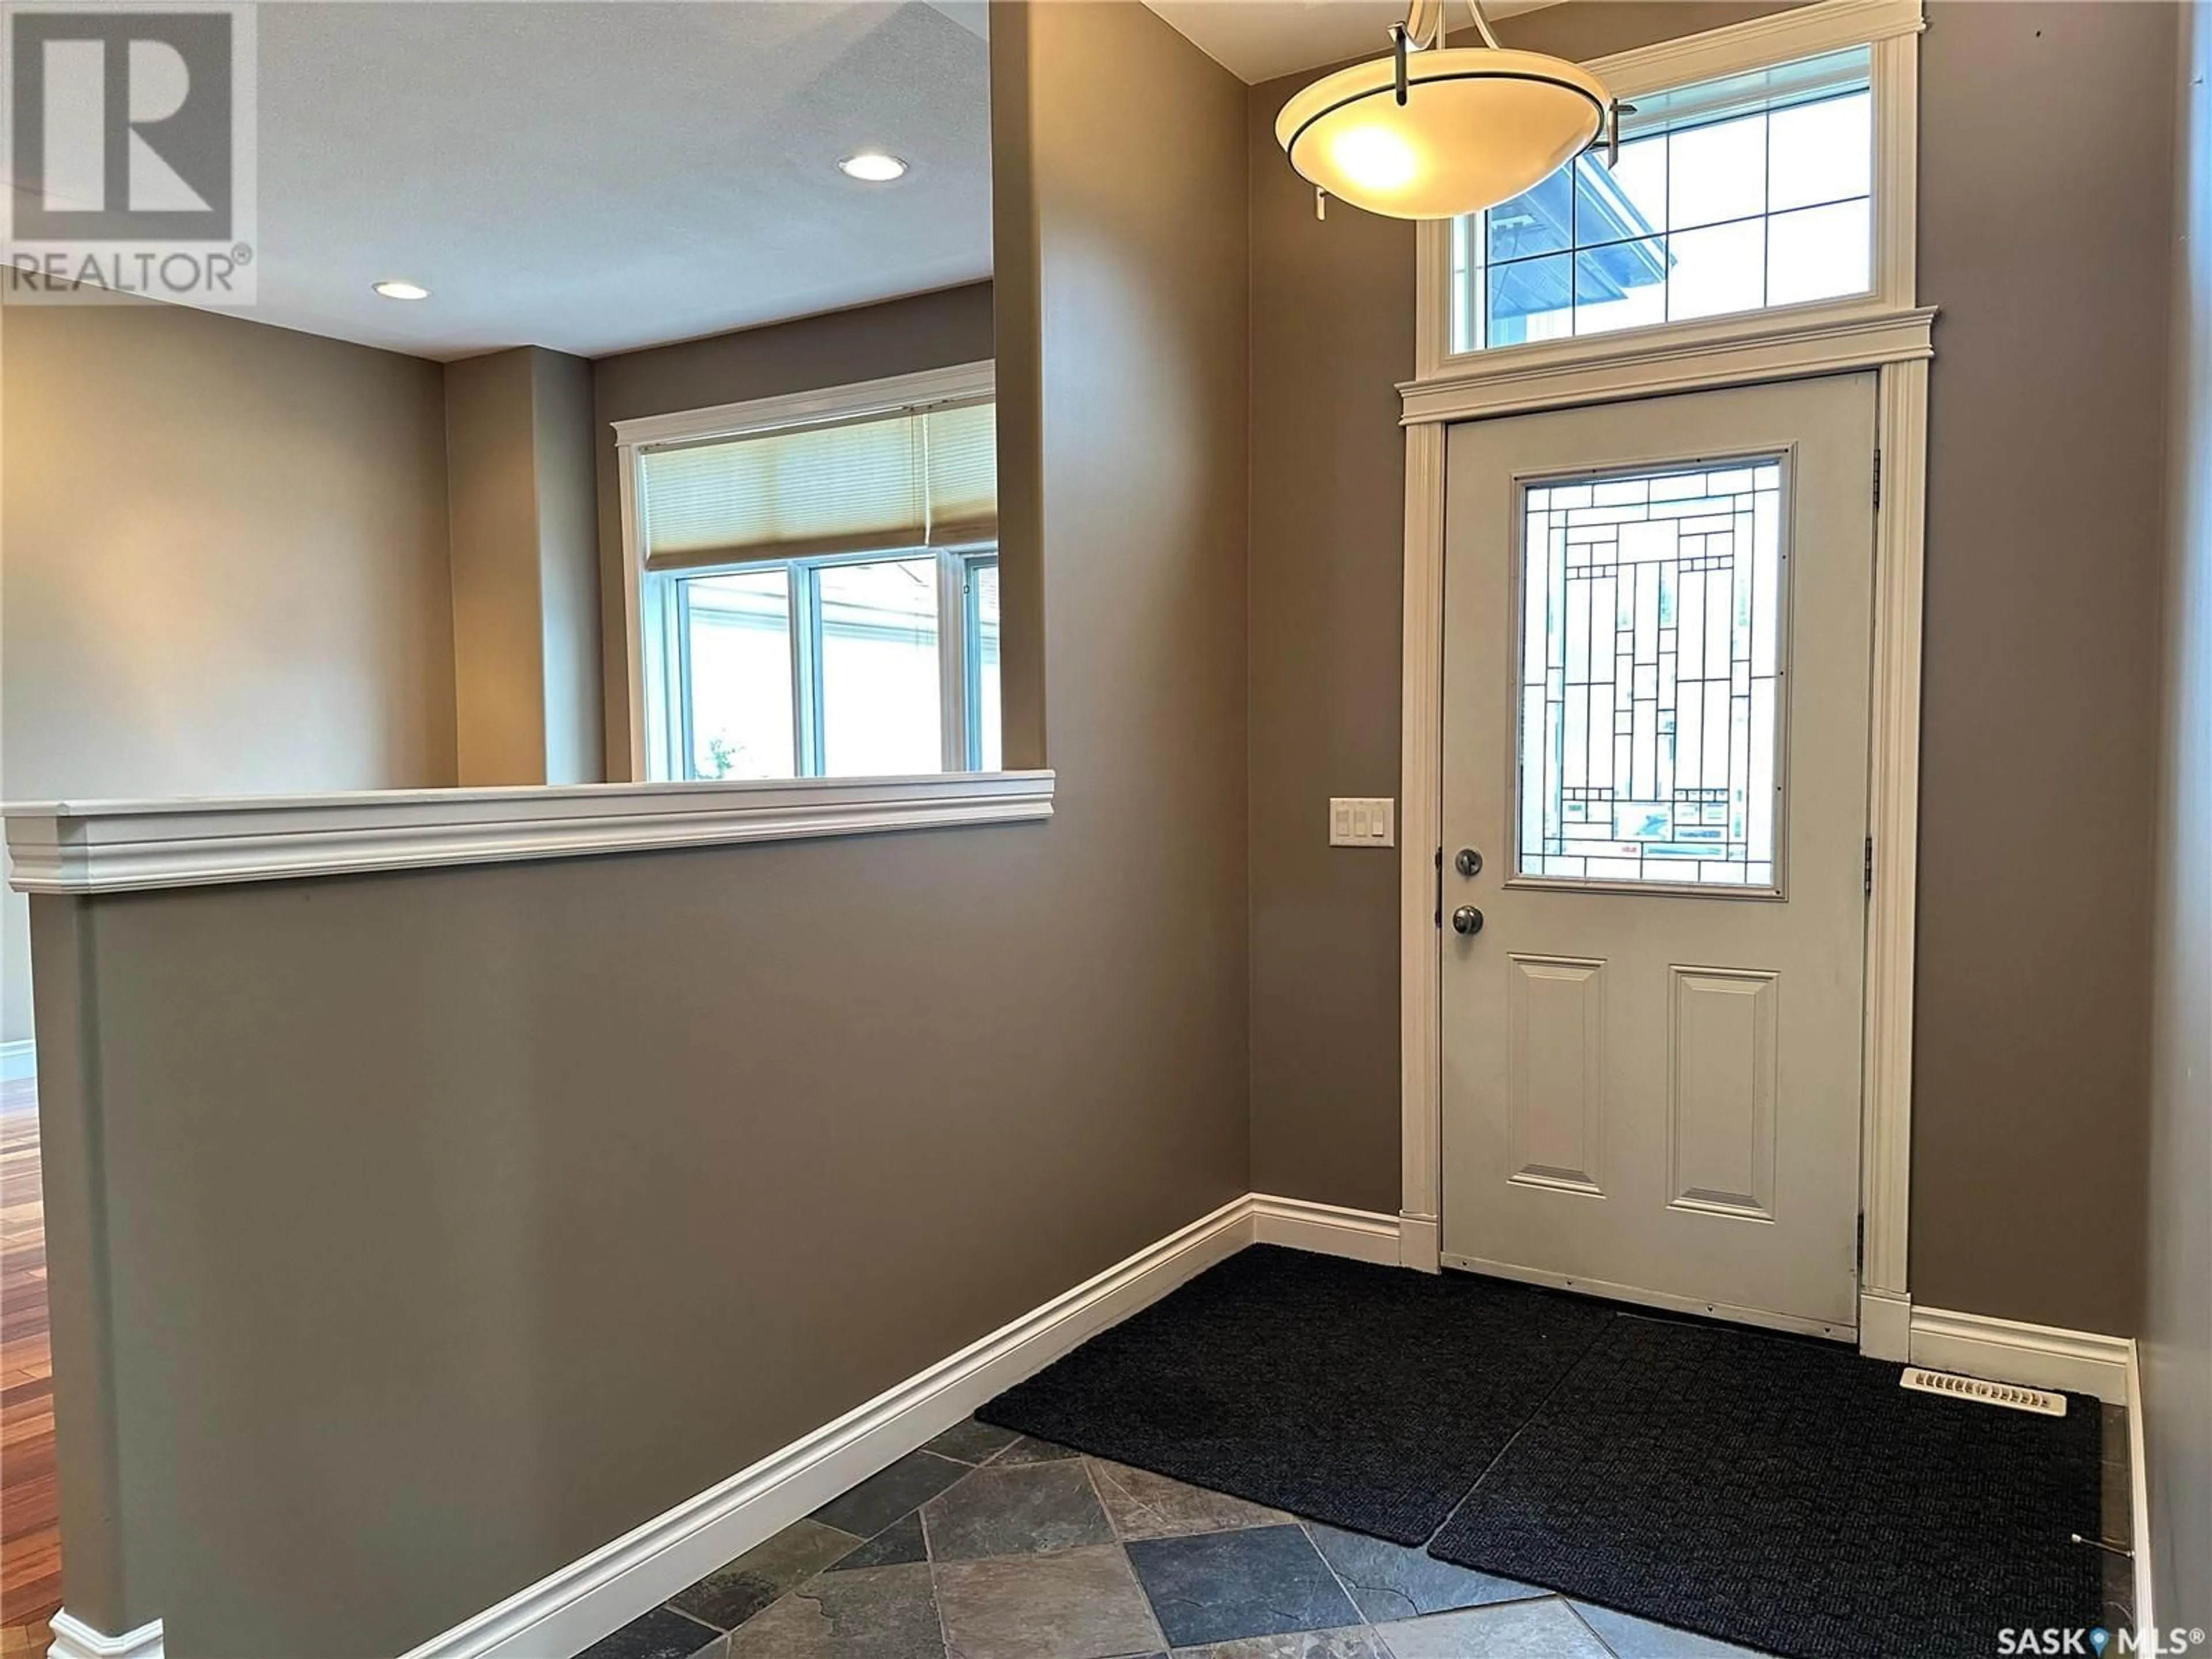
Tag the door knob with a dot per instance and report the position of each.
(1467, 920)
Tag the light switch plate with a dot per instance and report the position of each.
(1363, 821)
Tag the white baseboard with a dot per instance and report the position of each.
(2034, 1356)
(75, 1639)
(576, 1605)
(1885, 1326)
(1420, 1242)
(2139, 1505)
(19, 1060)
(1328, 1228)
(573, 1607)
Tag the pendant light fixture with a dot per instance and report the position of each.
(1433, 132)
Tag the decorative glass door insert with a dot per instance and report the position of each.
(1653, 616)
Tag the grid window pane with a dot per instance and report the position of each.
(1639, 177)
(1532, 300)
(1815, 253)
(1740, 194)
(1540, 220)
(739, 639)
(1717, 173)
(1820, 152)
(879, 668)
(1719, 269)
(1650, 672)
(1606, 295)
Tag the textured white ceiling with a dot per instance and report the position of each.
(1256, 41)
(603, 174)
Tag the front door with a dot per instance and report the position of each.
(1657, 628)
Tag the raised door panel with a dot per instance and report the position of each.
(1555, 1072)
(1720, 1093)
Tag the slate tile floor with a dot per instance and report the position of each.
(987, 1545)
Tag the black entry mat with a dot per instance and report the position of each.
(1785, 1495)
(1368, 1397)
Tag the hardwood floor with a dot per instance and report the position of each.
(30, 1535)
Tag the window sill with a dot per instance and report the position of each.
(112, 847)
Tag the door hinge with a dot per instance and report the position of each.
(1877, 478)
(1859, 1247)
(1439, 917)
(1869, 871)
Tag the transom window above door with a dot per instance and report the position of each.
(1740, 194)
(818, 597)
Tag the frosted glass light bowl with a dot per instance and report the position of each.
(1479, 126)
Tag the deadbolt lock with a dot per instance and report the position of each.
(1468, 862)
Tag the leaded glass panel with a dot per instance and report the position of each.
(1651, 665)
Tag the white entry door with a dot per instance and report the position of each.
(1658, 633)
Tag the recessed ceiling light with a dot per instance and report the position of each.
(872, 166)
(398, 290)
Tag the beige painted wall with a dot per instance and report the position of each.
(522, 511)
(504, 1107)
(2045, 242)
(1333, 335)
(561, 415)
(225, 565)
(867, 342)
(594, 1180)
(2177, 1345)
(491, 489)
(2047, 246)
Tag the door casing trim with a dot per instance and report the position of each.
(1898, 347)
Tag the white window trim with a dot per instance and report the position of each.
(645, 630)
(960, 673)
(1887, 331)
(1890, 28)
(891, 395)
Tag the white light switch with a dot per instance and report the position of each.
(1362, 821)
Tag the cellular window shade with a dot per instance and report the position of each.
(926, 478)
(964, 474)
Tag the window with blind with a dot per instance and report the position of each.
(820, 600)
